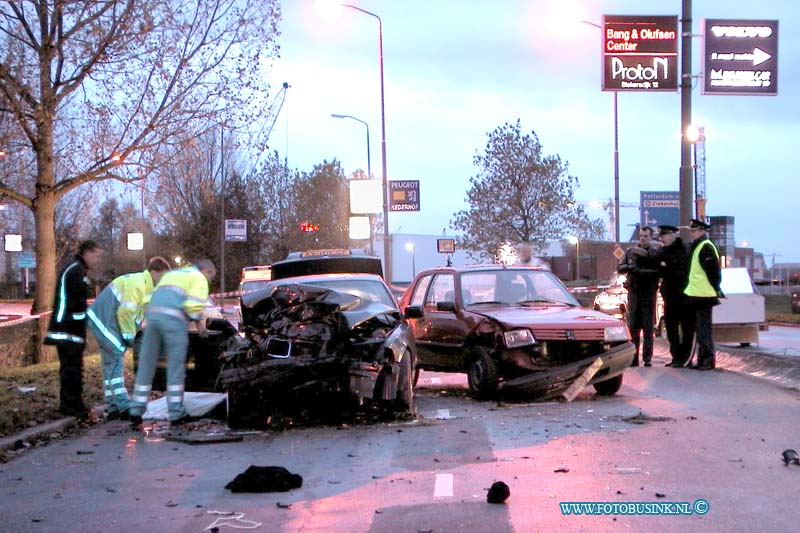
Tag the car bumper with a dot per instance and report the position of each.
(615, 361)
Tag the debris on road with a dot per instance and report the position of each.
(498, 492)
(561, 469)
(283, 505)
(234, 520)
(642, 418)
(790, 456)
(583, 380)
(205, 438)
(265, 479)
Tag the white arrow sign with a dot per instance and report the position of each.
(759, 56)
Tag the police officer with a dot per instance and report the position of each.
(179, 297)
(67, 328)
(114, 318)
(678, 319)
(703, 290)
(640, 266)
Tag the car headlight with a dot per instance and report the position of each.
(616, 333)
(518, 337)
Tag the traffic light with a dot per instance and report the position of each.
(308, 227)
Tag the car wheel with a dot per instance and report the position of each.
(405, 383)
(608, 387)
(244, 410)
(482, 375)
(416, 375)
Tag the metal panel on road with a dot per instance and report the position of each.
(640, 53)
(740, 57)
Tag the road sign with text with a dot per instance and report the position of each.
(404, 195)
(740, 57)
(660, 208)
(640, 53)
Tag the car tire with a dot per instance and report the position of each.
(417, 372)
(608, 387)
(405, 384)
(243, 410)
(482, 375)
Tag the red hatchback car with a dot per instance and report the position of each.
(512, 327)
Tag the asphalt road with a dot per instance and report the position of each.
(720, 440)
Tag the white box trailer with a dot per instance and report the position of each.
(742, 313)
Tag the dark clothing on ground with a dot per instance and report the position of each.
(67, 331)
(678, 318)
(640, 266)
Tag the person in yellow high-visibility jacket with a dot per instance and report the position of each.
(113, 319)
(703, 291)
(179, 297)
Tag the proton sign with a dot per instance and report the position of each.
(640, 53)
(740, 57)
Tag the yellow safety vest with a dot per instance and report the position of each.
(699, 285)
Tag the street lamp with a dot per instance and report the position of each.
(387, 248)
(411, 248)
(577, 242)
(369, 169)
(616, 152)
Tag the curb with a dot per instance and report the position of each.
(15, 442)
(781, 370)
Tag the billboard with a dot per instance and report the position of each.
(404, 195)
(740, 57)
(640, 53)
(658, 208)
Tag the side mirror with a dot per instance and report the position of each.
(450, 307)
(413, 311)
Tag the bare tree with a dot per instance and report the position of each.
(100, 89)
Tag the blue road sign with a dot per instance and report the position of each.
(658, 208)
(26, 260)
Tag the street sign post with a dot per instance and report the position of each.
(235, 230)
(740, 57)
(26, 260)
(640, 53)
(660, 208)
(404, 195)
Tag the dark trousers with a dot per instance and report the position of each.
(641, 318)
(705, 341)
(70, 357)
(679, 321)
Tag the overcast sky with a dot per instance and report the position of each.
(457, 69)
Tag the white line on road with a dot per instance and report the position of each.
(444, 486)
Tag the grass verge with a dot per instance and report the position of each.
(20, 410)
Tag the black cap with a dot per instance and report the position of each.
(663, 230)
(699, 224)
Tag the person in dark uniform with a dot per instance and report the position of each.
(640, 266)
(67, 329)
(703, 290)
(678, 319)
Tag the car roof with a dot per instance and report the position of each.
(476, 268)
(326, 264)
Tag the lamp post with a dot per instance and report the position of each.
(577, 242)
(616, 152)
(369, 169)
(411, 248)
(387, 248)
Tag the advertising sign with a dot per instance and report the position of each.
(740, 57)
(404, 195)
(660, 208)
(235, 230)
(640, 53)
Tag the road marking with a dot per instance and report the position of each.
(436, 381)
(444, 486)
(442, 414)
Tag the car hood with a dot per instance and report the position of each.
(545, 316)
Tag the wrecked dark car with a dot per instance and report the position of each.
(513, 327)
(307, 336)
